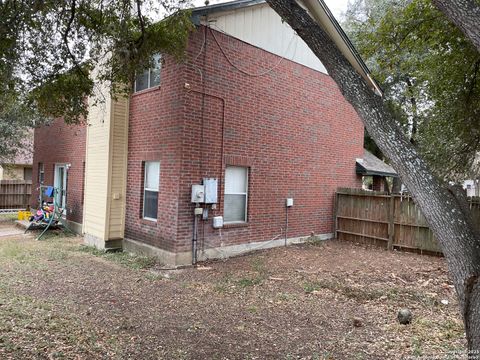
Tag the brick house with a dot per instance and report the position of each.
(59, 149)
(250, 113)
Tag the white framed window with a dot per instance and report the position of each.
(149, 77)
(151, 185)
(236, 194)
(41, 173)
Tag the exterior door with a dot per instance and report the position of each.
(60, 183)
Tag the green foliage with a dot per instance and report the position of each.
(429, 72)
(54, 54)
(72, 87)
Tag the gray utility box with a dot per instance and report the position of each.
(198, 194)
(211, 190)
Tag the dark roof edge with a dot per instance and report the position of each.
(231, 5)
(360, 170)
(347, 41)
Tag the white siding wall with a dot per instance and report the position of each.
(96, 167)
(262, 27)
(106, 168)
(118, 172)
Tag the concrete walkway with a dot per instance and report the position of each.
(10, 230)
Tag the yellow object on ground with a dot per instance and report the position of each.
(24, 215)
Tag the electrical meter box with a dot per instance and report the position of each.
(198, 194)
(211, 190)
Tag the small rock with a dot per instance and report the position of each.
(444, 302)
(404, 316)
(357, 322)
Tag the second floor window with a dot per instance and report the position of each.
(149, 77)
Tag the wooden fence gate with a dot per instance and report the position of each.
(388, 220)
(15, 194)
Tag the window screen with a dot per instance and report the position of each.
(150, 77)
(151, 188)
(236, 193)
(41, 173)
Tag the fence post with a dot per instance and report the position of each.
(335, 212)
(25, 195)
(391, 224)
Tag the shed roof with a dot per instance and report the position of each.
(372, 165)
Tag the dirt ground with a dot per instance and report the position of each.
(333, 300)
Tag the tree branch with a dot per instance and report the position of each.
(139, 42)
(465, 14)
(65, 39)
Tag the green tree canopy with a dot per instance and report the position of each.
(49, 48)
(429, 72)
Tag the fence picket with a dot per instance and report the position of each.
(15, 194)
(394, 220)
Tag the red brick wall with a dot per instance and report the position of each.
(291, 127)
(61, 143)
(155, 135)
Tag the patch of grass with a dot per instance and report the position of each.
(223, 284)
(246, 282)
(12, 250)
(314, 241)
(452, 329)
(350, 292)
(258, 265)
(137, 262)
(153, 276)
(367, 293)
(261, 273)
(311, 287)
(447, 330)
(228, 282)
(32, 328)
(36, 254)
(8, 217)
(286, 297)
(417, 347)
(132, 261)
(56, 234)
(252, 309)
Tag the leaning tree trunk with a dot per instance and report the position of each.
(445, 213)
(465, 14)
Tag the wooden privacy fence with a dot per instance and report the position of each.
(388, 220)
(15, 194)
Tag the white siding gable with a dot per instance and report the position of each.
(262, 27)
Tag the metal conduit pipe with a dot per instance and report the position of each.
(194, 240)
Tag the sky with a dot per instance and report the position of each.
(335, 6)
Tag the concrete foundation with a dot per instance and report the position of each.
(222, 252)
(101, 244)
(75, 227)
